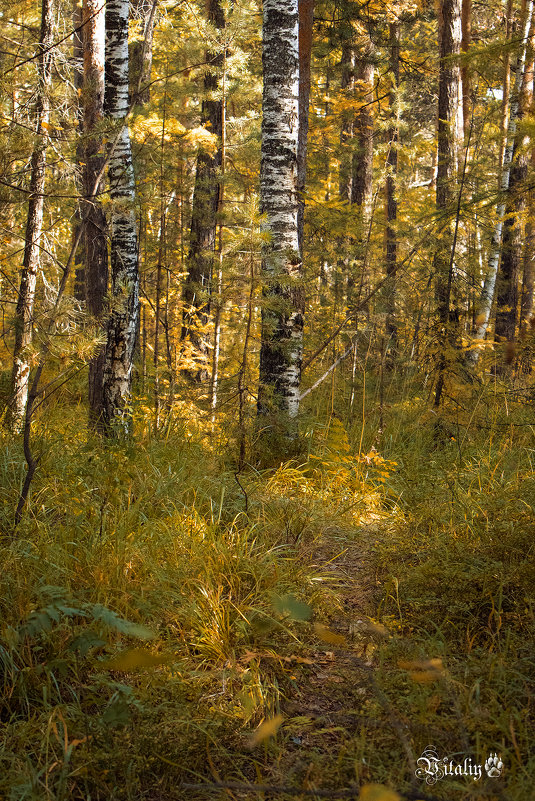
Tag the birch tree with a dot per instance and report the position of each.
(34, 224)
(122, 323)
(510, 267)
(306, 21)
(282, 308)
(489, 285)
(93, 217)
(449, 136)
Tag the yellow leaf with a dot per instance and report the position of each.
(329, 636)
(266, 729)
(378, 792)
(134, 659)
(423, 671)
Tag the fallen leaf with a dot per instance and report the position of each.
(378, 792)
(266, 729)
(134, 659)
(328, 636)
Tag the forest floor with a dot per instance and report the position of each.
(170, 634)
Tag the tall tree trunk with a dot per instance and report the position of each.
(347, 81)
(391, 188)
(506, 89)
(450, 130)
(218, 312)
(487, 293)
(122, 323)
(450, 133)
(141, 52)
(361, 184)
(93, 217)
(200, 263)
(283, 306)
(306, 21)
(466, 38)
(34, 224)
(362, 161)
(528, 272)
(509, 271)
(78, 83)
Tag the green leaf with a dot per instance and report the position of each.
(85, 641)
(289, 605)
(112, 619)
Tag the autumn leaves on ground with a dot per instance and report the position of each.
(156, 635)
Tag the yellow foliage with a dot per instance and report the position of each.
(328, 636)
(266, 729)
(378, 792)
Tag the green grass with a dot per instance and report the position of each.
(149, 622)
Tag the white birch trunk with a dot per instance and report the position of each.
(34, 227)
(122, 324)
(282, 311)
(489, 285)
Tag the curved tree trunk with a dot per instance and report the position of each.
(198, 284)
(283, 306)
(93, 217)
(34, 226)
(122, 323)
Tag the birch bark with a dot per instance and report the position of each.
(122, 323)
(34, 225)
(93, 217)
(282, 309)
(487, 293)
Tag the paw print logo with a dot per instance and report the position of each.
(494, 766)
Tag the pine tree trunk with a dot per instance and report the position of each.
(391, 199)
(283, 306)
(200, 262)
(361, 184)
(141, 53)
(93, 217)
(362, 162)
(123, 318)
(528, 272)
(466, 38)
(34, 225)
(78, 83)
(347, 84)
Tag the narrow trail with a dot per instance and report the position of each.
(345, 725)
(339, 706)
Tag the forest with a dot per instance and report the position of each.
(267, 395)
